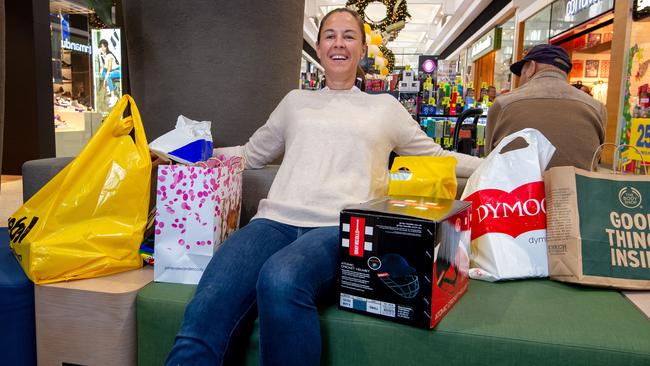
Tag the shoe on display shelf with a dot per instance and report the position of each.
(62, 102)
(78, 106)
(60, 123)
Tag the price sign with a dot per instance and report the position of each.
(640, 138)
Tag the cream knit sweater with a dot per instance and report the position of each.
(336, 146)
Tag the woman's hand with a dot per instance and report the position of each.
(156, 160)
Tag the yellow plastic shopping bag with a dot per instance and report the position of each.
(424, 176)
(89, 220)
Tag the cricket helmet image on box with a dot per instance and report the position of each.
(452, 258)
(398, 275)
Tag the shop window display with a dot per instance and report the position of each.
(86, 79)
(107, 70)
(589, 47)
(69, 69)
(636, 100)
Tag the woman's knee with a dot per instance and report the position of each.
(278, 282)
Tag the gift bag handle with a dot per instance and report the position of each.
(203, 164)
(617, 154)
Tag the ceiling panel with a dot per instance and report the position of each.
(422, 30)
(423, 13)
(69, 7)
(415, 37)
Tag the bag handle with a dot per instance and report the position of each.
(123, 126)
(220, 164)
(617, 155)
(524, 134)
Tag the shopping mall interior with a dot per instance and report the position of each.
(66, 65)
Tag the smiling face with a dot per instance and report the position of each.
(340, 48)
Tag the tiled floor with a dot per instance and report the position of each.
(11, 196)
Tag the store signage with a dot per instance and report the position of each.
(640, 138)
(641, 9)
(481, 46)
(573, 7)
(486, 44)
(428, 63)
(74, 46)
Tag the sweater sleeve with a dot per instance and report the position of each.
(411, 140)
(267, 143)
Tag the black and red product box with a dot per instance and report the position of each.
(404, 258)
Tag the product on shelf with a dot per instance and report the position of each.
(375, 85)
(409, 84)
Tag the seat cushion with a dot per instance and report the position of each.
(17, 332)
(532, 322)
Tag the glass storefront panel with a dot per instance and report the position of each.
(536, 28)
(635, 122)
(567, 14)
(590, 54)
(86, 78)
(503, 58)
(465, 67)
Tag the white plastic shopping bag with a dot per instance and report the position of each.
(509, 210)
(189, 142)
(197, 208)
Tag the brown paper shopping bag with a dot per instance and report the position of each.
(598, 227)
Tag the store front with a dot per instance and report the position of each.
(86, 75)
(586, 33)
(490, 57)
(635, 120)
(482, 54)
(597, 36)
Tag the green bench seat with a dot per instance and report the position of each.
(532, 322)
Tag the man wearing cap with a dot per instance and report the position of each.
(572, 120)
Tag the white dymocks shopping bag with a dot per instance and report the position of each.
(197, 208)
(509, 210)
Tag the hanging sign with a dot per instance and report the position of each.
(491, 41)
(641, 9)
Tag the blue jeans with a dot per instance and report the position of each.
(114, 74)
(282, 269)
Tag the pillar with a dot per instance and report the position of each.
(226, 62)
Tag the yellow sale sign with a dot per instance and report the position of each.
(640, 138)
